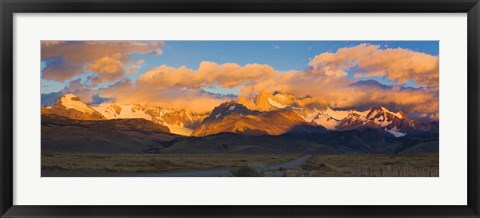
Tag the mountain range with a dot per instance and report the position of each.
(275, 118)
(278, 114)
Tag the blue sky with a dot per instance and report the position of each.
(281, 55)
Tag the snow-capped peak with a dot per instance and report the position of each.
(267, 101)
(398, 114)
(328, 118)
(376, 117)
(376, 111)
(71, 101)
(179, 122)
(119, 111)
(227, 108)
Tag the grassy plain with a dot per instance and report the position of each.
(419, 165)
(346, 165)
(149, 163)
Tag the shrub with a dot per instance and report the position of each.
(246, 171)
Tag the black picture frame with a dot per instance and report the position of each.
(9, 7)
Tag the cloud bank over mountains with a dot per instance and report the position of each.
(345, 78)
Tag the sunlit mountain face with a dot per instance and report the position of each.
(277, 114)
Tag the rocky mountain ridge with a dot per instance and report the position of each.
(280, 113)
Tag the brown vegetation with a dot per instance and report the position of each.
(154, 163)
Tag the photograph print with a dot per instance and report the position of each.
(239, 108)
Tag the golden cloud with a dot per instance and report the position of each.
(228, 75)
(326, 82)
(106, 59)
(127, 92)
(400, 65)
